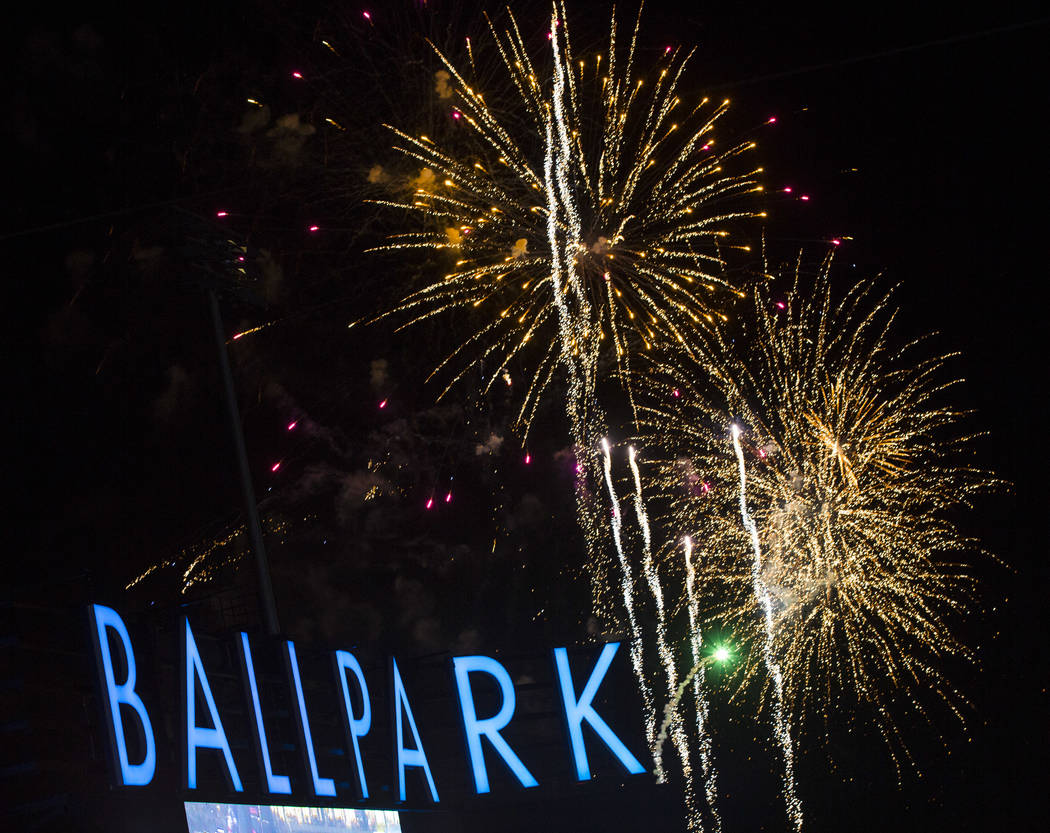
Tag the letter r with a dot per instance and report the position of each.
(490, 727)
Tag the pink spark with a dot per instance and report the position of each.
(275, 466)
(677, 393)
(667, 49)
(457, 115)
(367, 16)
(771, 120)
(297, 75)
(220, 214)
(382, 404)
(836, 242)
(804, 197)
(430, 503)
(706, 147)
(315, 228)
(705, 487)
(781, 305)
(528, 459)
(787, 189)
(237, 336)
(579, 468)
(240, 259)
(762, 453)
(448, 498)
(292, 424)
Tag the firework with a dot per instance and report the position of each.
(201, 561)
(781, 725)
(667, 657)
(672, 719)
(696, 676)
(843, 578)
(627, 591)
(582, 212)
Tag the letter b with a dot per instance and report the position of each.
(136, 775)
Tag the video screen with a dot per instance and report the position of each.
(203, 817)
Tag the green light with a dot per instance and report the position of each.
(722, 654)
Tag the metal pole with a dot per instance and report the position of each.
(251, 511)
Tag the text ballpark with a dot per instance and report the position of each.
(207, 732)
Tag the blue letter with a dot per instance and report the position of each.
(490, 726)
(274, 783)
(356, 727)
(132, 775)
(322, 786)
(407, 757)
(197, 736)
(577, 711)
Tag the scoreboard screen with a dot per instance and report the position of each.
(206, 817)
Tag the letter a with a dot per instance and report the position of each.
(407, 757)
(198, 736)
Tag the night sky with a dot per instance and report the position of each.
(914, 130)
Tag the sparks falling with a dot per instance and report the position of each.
(781, 727)
(696, 676)
(584, 218)
(583, 214)
(854, 473)
(667, 659)
(627, 593)
(652, 579)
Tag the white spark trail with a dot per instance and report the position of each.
(652, 578)
(780, 723)
(578, 346)
(707, 767)
(627, 587)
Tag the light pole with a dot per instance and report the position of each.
(251, 509)
(219, 266)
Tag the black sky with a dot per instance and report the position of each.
(915, 130)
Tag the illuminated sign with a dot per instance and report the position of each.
(480, 689)
(202, 817)
(489, 727)
(133, 775)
